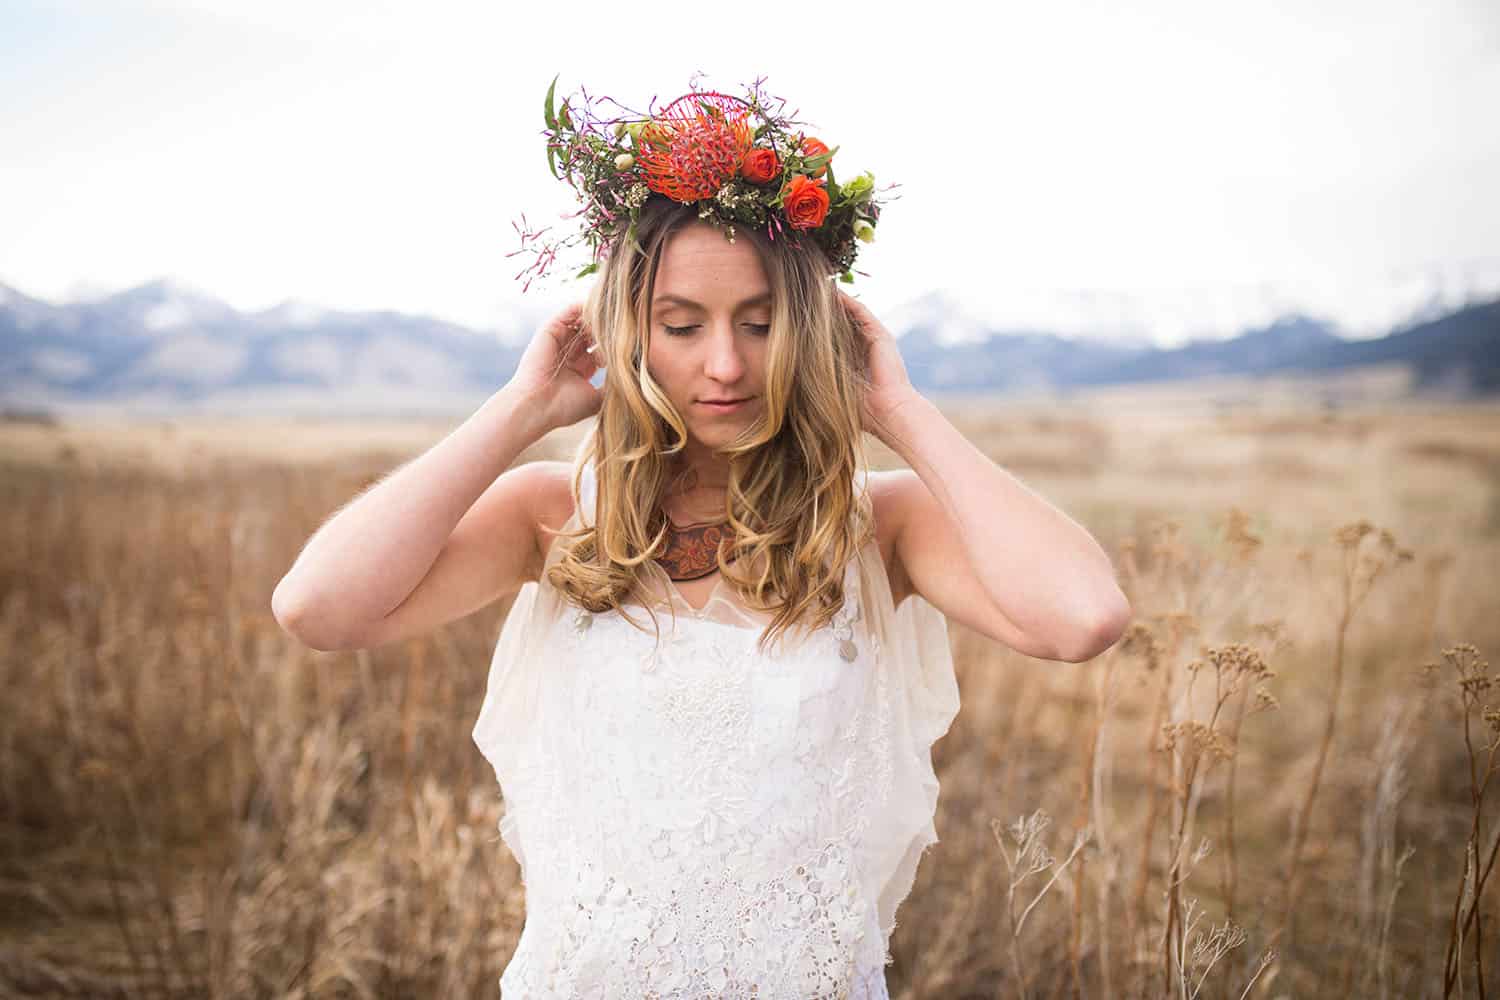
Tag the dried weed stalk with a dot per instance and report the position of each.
(1030, 857)
(1479, 711)
(1361, 566)
(1193, 747)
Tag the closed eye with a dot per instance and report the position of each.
(761, 329)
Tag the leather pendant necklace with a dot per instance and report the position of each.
(693, 551)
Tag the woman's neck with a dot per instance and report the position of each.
(695, 493)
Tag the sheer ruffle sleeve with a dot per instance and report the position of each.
(508, 715)
(917, 658)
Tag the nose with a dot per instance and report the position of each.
(724, 362)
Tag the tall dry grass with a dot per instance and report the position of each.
(1276, 785)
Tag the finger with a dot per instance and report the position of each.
(863, 317)
(575, 338)
(564, 327)
(583, 369)
(856, 309)
(585, 335)
(863, 321)
(583, 352)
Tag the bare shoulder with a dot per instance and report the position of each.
(552, 501)
(890, 498)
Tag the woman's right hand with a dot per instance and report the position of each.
(555, 369)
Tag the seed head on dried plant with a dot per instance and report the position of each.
(1207, 948)
(1474, 702)
(1194, 745)
(1237, 534)
(1029, 856)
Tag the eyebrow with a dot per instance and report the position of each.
(669, 299)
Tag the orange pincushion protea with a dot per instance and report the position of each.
(695, 145)
(740, 162)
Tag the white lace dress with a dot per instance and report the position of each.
(699, 819)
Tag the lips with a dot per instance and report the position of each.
(732, 406)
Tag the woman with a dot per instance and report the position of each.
(734, 800)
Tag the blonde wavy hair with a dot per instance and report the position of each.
(791, 502)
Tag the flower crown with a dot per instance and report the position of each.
(740, 162)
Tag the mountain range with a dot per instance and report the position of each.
(162, 349)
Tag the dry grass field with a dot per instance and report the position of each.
(1273, 786)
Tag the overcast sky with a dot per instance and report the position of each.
(1169, 169)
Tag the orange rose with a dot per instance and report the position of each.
(815, 147)
(805, 202)
(760, 165)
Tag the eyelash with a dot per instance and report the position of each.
(682, 331)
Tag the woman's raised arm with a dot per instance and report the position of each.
(417, 539)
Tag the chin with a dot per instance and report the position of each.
(714, 437)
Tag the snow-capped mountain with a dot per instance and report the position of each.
(1173, 317)
(164, 306)
(945, 319)
(163, 348)
(951, 318)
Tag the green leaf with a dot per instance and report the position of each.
(565, 117)
(847, 277)
(552, 161)
(551, 117)
(812, 163)
(589, 269)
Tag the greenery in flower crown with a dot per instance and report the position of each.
(741, 162)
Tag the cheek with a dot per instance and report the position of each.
(654, 358)
(663, 367)
(760, 360)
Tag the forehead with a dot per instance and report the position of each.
(700, 264)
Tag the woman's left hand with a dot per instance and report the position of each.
(890, 388)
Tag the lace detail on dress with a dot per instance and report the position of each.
(700, 817)
(720, 938)
(697, 828)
